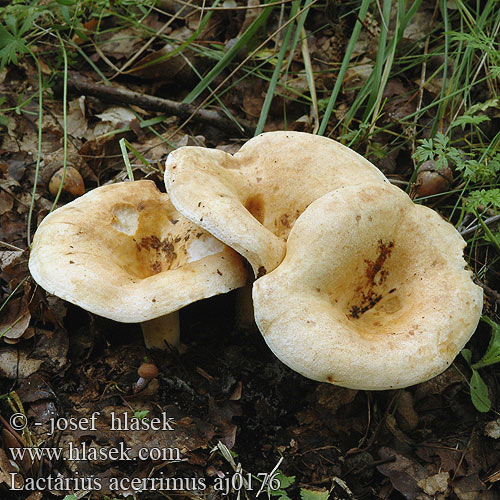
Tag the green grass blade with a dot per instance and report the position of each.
(379, 61)
(39, 148)
(229, 56)
(126, 160)
(343, 68)
(363, 94)
(277, 71)
(184, 44)
(65, 122)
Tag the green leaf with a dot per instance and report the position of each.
(486, 198)
(81, 34)
(11, 22)
(467, 355)
(65, 14)
(472, 116)
(282, 494)
(28, 23)
(495, 71)
(4, 120)
(492, 354)
(66, 2)
(285, 481)
(479, 393)
(472, 120)
(10, 47)
(322, 494)
(482, 171)
(483, 106)
(141, 414)
(70, 497)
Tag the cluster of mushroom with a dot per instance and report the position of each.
(356, 285)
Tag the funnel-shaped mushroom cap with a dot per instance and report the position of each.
(122, 251)
(372, 294)
(250, 200)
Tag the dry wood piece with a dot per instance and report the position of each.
(80, 85)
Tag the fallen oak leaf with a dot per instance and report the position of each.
(404, 474)
(15, 317)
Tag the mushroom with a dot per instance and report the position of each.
(146, 372)
(122, 251)
(251, 200)
(372, 294)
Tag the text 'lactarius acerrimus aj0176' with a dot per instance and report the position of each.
(123, 252)
(373, 292)
(250, 200)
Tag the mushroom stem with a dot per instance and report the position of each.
(161, 331)
(244, 307)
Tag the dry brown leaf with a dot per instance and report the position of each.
(6, 202)
(172, 69)
(15, 318)
(404, 474)
(407, 417)
(6, 469)
(438, 483)
(221, 413)
(492, 429)
(88, 28)
(16, 363)
(334, 397)
(76, 122)
(448, 457)
(120, 44)
(472, 488)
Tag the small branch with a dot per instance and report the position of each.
(492, 293)
(78, 84)
(10, 247)
(473, 229)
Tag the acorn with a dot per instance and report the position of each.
(432, 180)
(73, 182)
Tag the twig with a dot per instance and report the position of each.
(306, 56)
(10, 247)
(80, 85)
(398, 182)
(473, 229)
(492, 293)
(462, 457)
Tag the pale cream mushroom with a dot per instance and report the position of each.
(251, 200)
(122, 251)
(373, 292)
